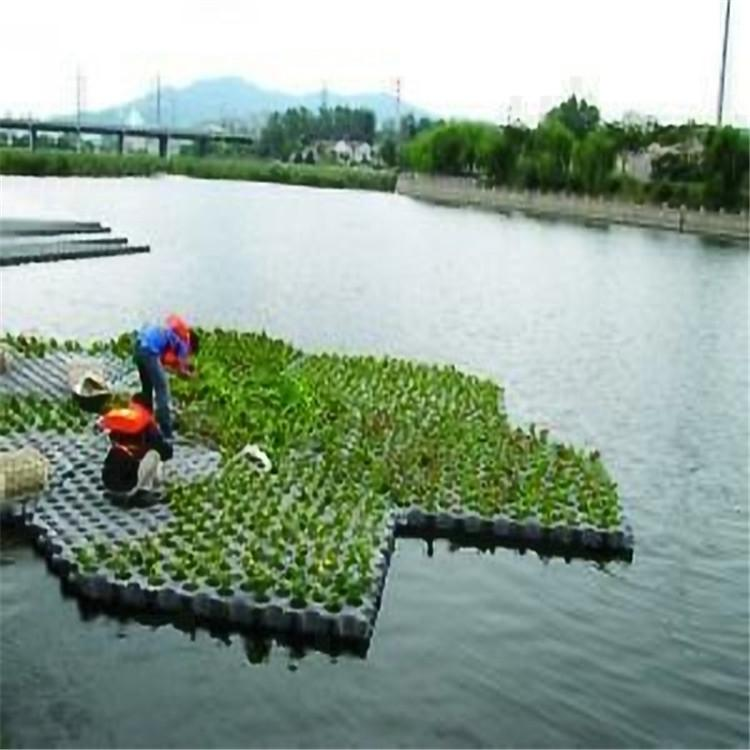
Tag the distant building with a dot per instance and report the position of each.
(639, 164)
(343, 152)
(362, 153)
(354, 152)
(635, 164)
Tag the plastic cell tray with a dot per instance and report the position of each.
(75, 510)
(47, 376)
(471, 529)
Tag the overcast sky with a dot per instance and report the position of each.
(467, 58)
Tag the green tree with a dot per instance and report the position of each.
(449, 149)
(553, 145)
(593, 161)
(578, 117)
(274, 141)
(725, 164)
(502, 151)
(628, 137)
(677, 168)
(388, 151)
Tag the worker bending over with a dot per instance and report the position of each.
(158, 347)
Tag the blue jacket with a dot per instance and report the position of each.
(156, 340)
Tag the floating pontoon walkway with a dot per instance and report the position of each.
(42, 241)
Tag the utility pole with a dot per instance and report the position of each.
(398, 119)
(723, 65)
(324, 96)
(78, 109)
(158, 100)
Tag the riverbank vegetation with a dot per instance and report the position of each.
(68, 163)
(573, 150)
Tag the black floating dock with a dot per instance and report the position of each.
(40, 241)
(48, 252)
(76, 512)
(47, 228)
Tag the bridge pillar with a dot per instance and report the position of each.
(202, 146)
(120, 142)
(32, 138)
(163, 144)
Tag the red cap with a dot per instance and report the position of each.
(179, 326)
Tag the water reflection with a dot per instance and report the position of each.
(257, 644)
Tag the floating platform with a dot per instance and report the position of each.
(75, 513)
(471, 530)
(35, 241)
(46, 228)
(47, 376)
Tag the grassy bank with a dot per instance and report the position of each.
(68, 164)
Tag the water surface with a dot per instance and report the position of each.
(632, 341)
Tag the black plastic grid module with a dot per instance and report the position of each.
(48, 375)
(470, 529)
(76, 511)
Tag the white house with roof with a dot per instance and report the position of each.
(354, 152)
(639, 164)
(343, 151)
(362, 153)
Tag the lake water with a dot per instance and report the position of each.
(632, 341)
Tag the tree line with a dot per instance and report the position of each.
(286, 132)
(573, 150)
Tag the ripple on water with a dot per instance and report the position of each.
(622, 339)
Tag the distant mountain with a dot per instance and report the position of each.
(216, 100)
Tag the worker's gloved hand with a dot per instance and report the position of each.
(187, 371)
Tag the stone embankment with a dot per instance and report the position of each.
(460, 191)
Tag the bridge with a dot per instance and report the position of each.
(200, 138)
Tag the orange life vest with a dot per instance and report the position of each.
(131, 420)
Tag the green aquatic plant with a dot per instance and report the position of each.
(24, 413)
(351, 439)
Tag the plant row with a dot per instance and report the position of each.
(26, 413)
(351, 439)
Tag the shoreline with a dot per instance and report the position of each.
(459, 191)
(15, 161)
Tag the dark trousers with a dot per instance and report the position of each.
(154, 384)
